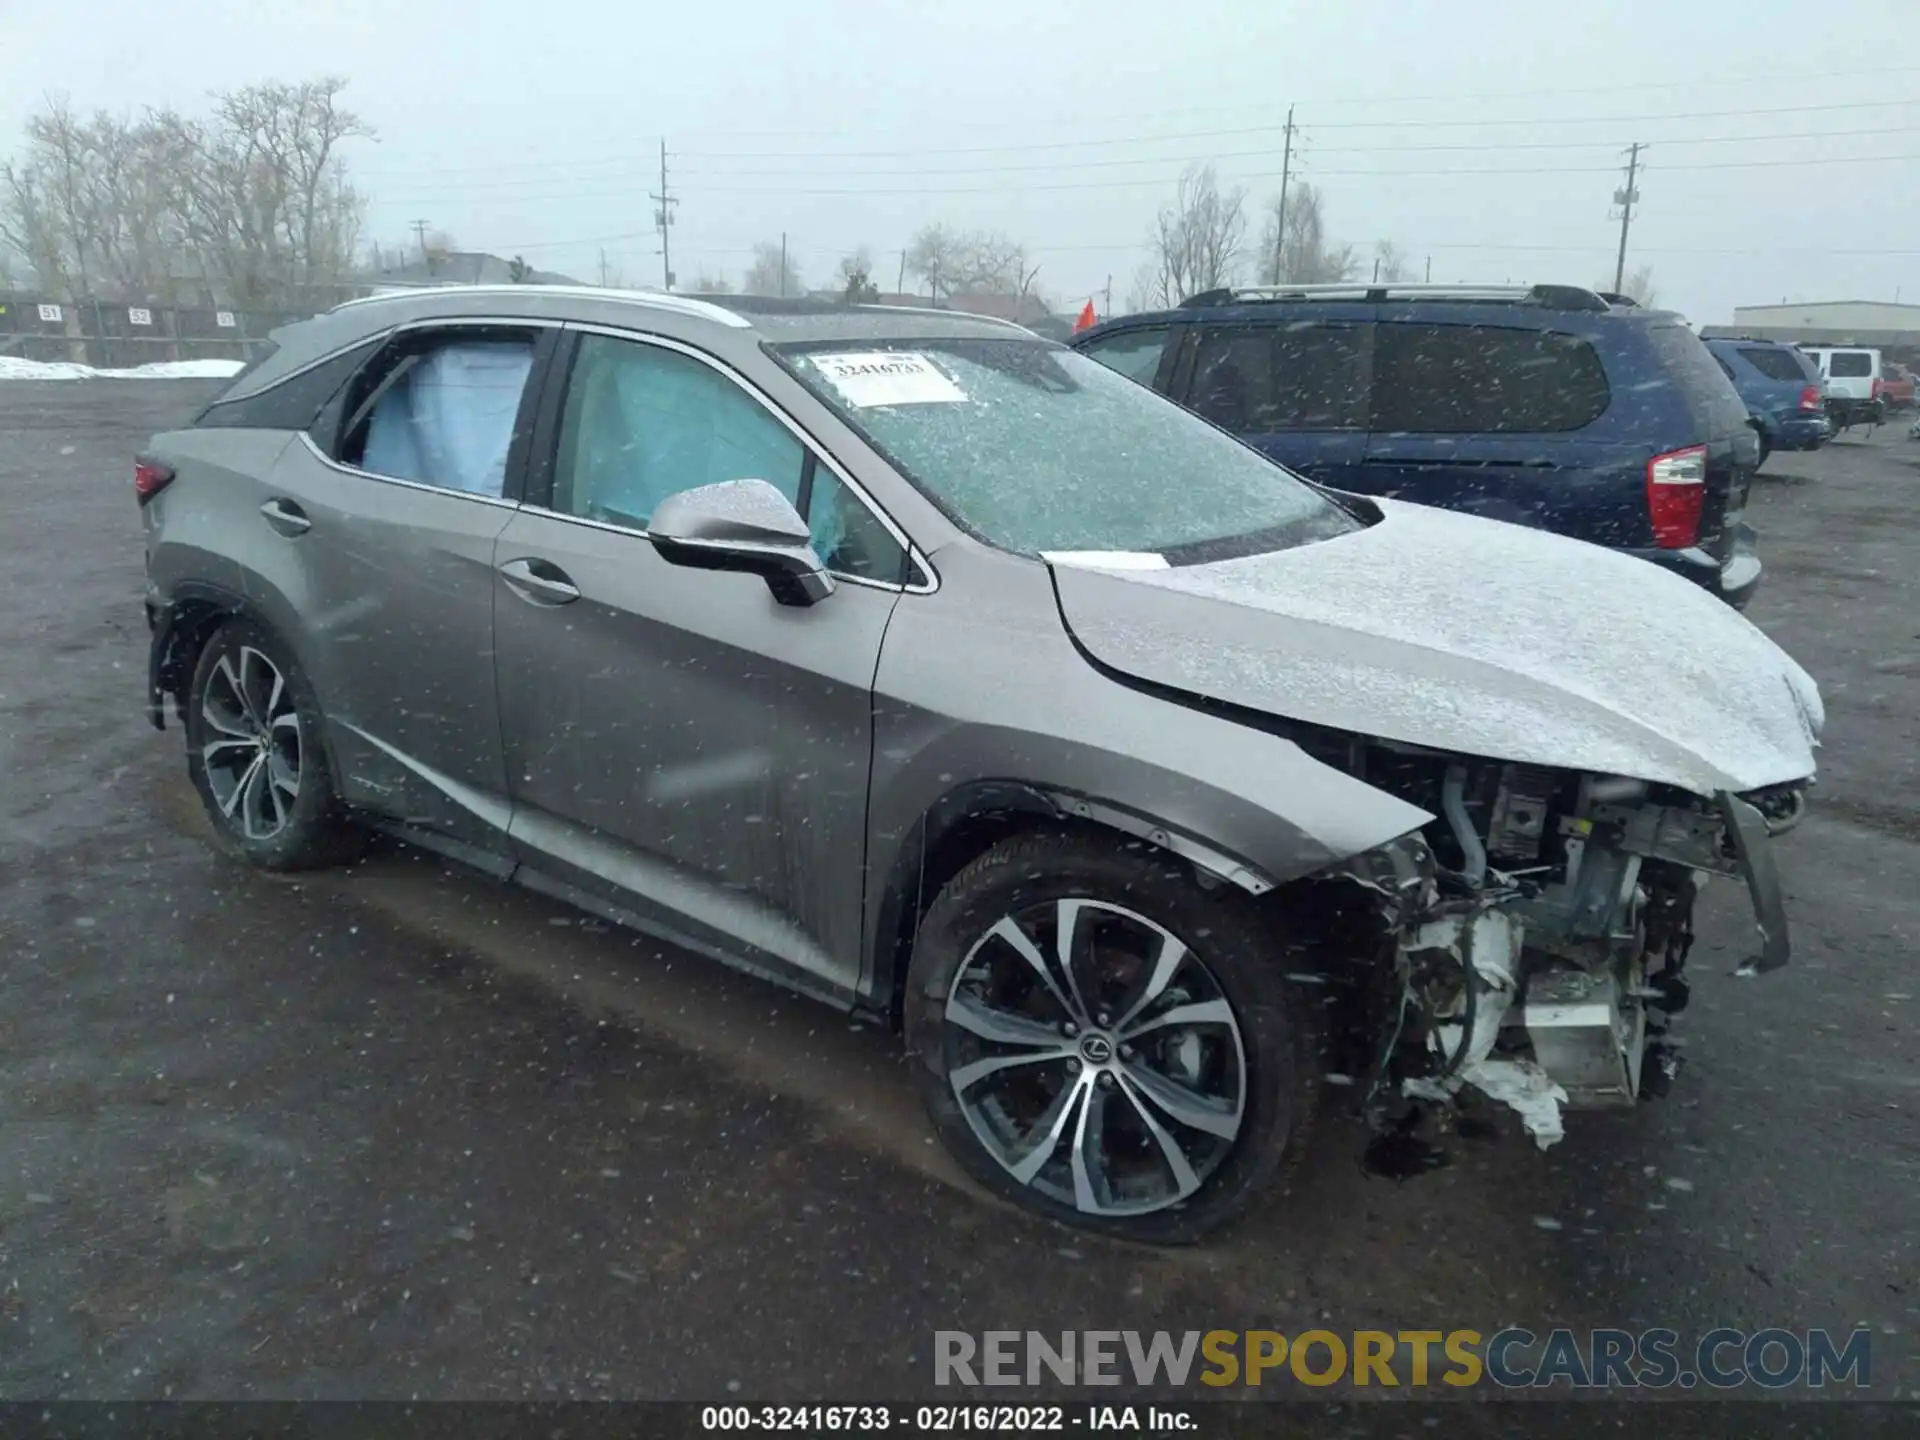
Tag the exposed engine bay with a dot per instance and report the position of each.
(1536, 935)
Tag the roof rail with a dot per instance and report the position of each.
(1559, 297)
(657, 299)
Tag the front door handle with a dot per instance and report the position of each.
(540, 581)
(286, 517)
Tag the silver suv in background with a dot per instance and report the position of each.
(939, 671)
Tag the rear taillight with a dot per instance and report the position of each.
(150, 477)
(1877, 384)
(1676, 489)
(1810, 398)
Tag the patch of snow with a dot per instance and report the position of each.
(1475, 636)
(14, 368)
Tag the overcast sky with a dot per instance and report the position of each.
(1483, 135)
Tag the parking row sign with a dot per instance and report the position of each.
(50, 314)
(137, 316)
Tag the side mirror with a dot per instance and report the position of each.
(742, 525)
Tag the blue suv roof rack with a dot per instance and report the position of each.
(1556, 297)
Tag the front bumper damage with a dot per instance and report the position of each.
(1553, 987)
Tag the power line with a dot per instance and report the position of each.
(1141, 181)
(1532, 120)
(548, 165)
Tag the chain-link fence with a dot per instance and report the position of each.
(114, 336)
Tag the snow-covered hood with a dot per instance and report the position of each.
(1472, 636)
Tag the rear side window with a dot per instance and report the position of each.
(440, 409)
(1777, 364)
(1134, 353)
(1486, 379)
(293, 403)
(1257, 380)
(1850, 364)
(1713, 405)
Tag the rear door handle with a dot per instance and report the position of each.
(540, 581)
(286, 517)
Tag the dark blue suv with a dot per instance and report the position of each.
(1782, 390)
(1548, 406)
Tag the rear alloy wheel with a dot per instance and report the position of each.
(254, 753)
(1104, 1041)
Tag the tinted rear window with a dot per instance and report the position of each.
(1256, 380)
(1713, 405)
(1778, 364)
(1486, 379)
(1850, 364)
(294, 402)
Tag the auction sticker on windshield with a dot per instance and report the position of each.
(866, 378)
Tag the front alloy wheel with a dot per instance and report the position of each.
(1095, 1057)
(1107, 1042)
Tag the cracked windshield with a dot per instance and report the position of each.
(1179, 710)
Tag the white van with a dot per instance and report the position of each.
(1852, 373)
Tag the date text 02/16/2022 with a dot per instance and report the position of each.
(947, 1419)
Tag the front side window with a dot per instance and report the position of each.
(643, 423)
(1484, 379)
(1134, 353)
(1039, 449)
(1258, 380)
(440, 410)
(847, 536)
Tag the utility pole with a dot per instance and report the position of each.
(783, 264)
(1624, 199)
(1429, 269)
(1376, 269)
(603, 269)
(1106, 303)
(1280, 219)
(420, 234)
(900, 287)
(663, 204)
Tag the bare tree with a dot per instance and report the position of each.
(936, 254)
(253, 200)
(705, 284)
(1195, 241)
(1391, 264)
(773, 272)
(1301, 254)
(855, 276)
(1637, 286)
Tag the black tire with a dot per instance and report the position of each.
(1240, 957)
(300, 828)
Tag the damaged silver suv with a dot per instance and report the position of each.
(944, 673)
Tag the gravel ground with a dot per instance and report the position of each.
(400, 1131)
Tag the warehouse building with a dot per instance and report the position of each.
(1894, 328)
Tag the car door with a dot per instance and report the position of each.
(681, 746)
(1485, 419)
(1296, 390)
(386, 515)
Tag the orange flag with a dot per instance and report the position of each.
(1087, 319)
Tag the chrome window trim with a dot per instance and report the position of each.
(334, 465)
(915, 556)
(372, 337)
